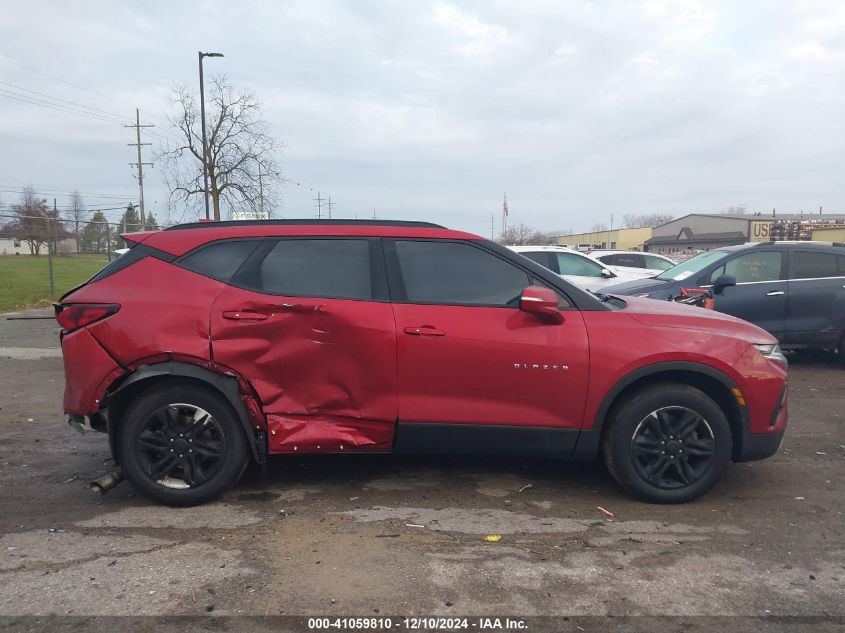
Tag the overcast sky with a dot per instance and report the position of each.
(418, 110)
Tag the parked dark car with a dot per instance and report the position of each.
(795, 290)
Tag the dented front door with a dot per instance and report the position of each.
(323, 367)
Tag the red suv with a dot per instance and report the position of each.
(206, 346)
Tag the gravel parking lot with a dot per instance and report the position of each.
(364, 535)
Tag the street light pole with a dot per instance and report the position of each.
(200, 54)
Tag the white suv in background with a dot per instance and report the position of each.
(644, 264)
(577, 268)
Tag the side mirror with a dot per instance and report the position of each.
(605, 272)
(541, 301)
(722, 282)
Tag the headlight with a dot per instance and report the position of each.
(772, 352)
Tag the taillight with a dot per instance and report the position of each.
(76, 315)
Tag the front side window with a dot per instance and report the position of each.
(751, 267)
(571, 264)
(456, 273)
(810, 265)
(331, 268)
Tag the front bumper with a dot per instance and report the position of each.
(762, 445)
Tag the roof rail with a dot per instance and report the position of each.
(303, 222)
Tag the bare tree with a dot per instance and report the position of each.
(738, 209)
(241, 155)
(34, 222)
(598, 226)
(77, 214)
(523, 234)
(647, 220)
(631, 221)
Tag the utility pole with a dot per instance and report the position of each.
(260, 192)
(319, 201)
(329, 206)
(505, 215)
(200, 55)
(140, 163)
(50, 250)
(492, 227)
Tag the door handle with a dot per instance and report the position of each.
(424, 330)
(775, 293)
(244, 315)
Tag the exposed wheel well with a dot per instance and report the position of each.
(714, 388)
(123, 397)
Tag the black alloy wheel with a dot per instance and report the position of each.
(181, 444)
(672, 447)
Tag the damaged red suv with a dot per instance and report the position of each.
(206, 346)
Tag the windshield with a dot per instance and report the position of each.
(692, 266)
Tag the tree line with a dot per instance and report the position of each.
(41, 228)
(524, 234)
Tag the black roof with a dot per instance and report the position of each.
(304, 222)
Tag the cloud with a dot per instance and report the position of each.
(432, 110)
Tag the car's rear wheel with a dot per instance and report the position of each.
(667, 444)
(181, 444)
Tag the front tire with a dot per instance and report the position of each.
(181, 444)
(667, 444)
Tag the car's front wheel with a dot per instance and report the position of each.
(181, 444)
(667, 444)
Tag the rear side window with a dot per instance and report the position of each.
(657, 263)
(219, 260)
(630, 260)
(570, 264)
(809, 265)
(454, 273)
(331, 268)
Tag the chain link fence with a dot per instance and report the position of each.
(42, 257)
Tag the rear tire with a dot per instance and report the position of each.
(668, 443)
(181, 444)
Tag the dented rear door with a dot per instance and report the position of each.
(307, 322)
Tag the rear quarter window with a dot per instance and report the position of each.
(219, 260)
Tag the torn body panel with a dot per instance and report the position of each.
(324, 369)
(292, 434)
(81, 352)
(167, 312)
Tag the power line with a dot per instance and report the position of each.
(65, 101)
(64, 81)
(54, 106)
(68, 208)
(48, 190)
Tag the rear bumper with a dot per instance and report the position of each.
(82, 355)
